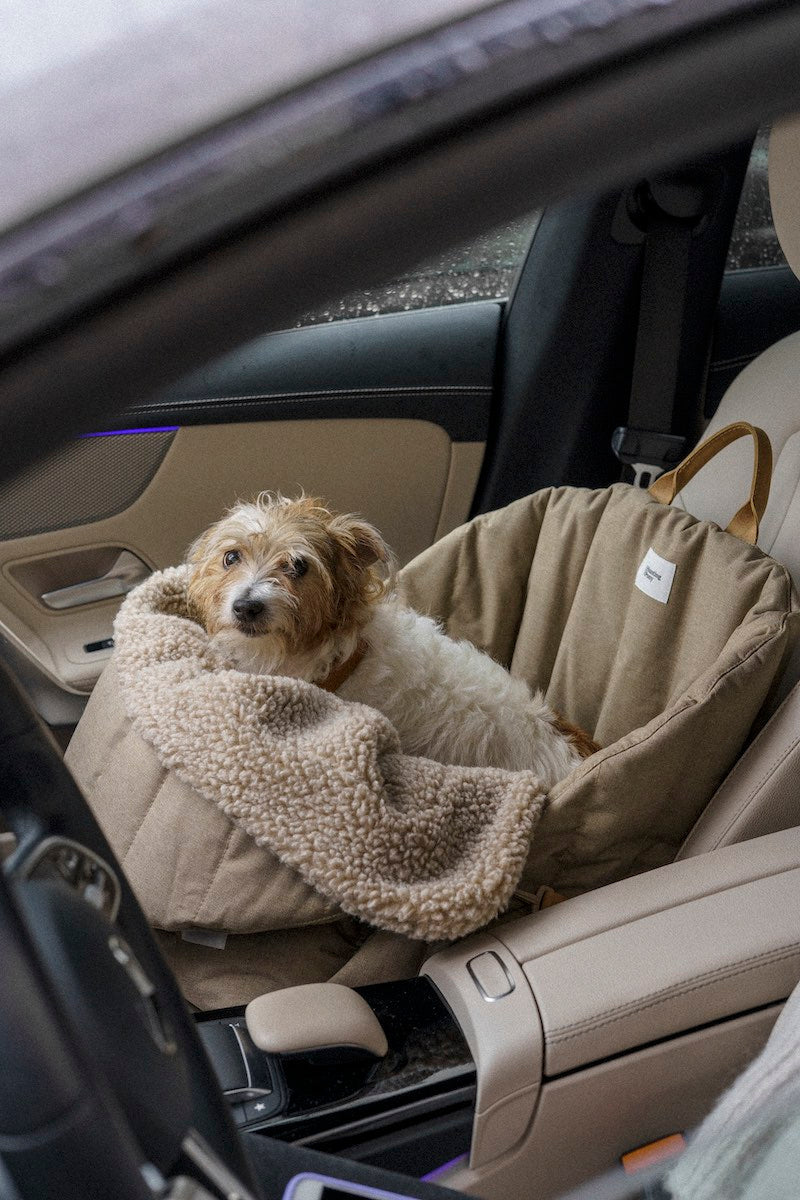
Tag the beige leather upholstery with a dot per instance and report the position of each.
(767, 392)
(662, 967)
(762, 793)
(784, 174)
(504, 1035)
(681, 957)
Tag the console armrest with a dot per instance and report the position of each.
(665, 984)
(671, 950)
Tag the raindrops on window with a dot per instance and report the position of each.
(485, 269)
(754, 242)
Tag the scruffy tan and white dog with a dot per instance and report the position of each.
(287, 587)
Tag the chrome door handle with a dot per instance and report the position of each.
(121, 578)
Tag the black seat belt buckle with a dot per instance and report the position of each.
(649, 453)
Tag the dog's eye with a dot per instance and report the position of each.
(230, 557)
(296, 568)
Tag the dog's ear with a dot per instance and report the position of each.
(361, 541)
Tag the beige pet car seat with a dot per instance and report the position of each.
(762, 793)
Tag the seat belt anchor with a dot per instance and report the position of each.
(647, 452)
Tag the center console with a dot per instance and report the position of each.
(532, 1057)
(410, 1109)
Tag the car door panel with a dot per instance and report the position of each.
(405, 454)
(432, 365)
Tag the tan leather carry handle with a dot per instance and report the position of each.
(745, 523)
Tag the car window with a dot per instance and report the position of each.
(754, 242)
(485, 268)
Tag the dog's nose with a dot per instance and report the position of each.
(248, 608)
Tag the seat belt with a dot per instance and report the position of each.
(647, 443)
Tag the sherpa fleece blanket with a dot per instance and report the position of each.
(406, 844)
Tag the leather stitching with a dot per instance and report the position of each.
(672, 992)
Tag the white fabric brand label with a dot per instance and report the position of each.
(655, 576)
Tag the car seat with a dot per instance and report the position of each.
(762, 793)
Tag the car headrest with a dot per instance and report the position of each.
(784, 186)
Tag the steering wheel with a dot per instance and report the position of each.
(105, 1089)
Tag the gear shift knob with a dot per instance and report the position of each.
(315, 1017)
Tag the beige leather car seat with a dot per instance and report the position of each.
(762, 793)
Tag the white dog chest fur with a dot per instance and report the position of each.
(450, 702)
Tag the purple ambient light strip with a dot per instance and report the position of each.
(437, 1171)
(120, 432)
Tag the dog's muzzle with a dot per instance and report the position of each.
(250, 614)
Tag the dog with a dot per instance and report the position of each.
(288, 587)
